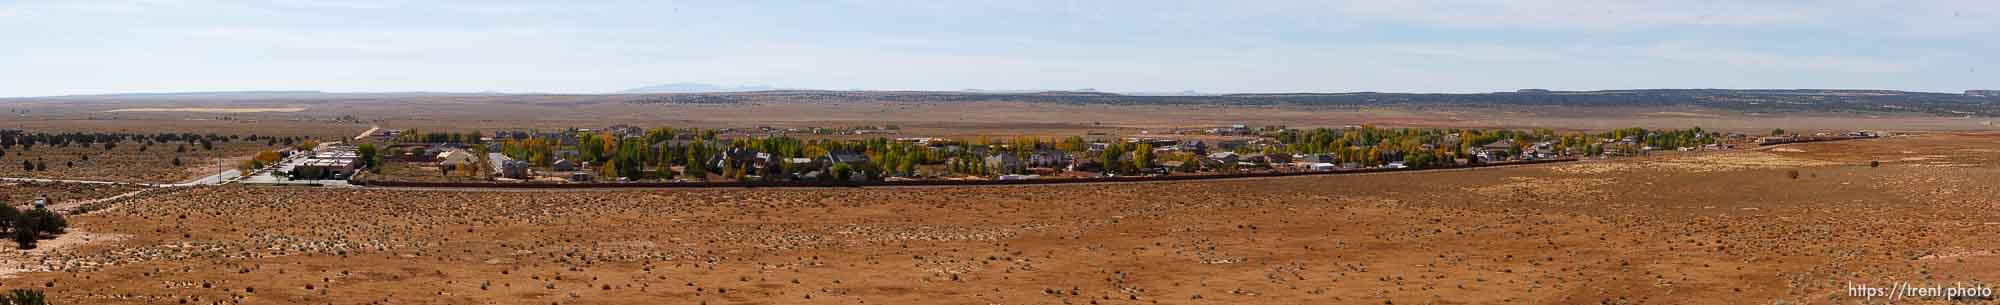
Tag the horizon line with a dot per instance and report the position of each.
(967, 90)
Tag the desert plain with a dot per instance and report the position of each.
(1728, 227)
(1788, 224)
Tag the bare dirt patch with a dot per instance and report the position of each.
(1694, 163)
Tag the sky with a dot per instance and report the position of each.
(114, 46)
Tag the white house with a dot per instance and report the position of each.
(456, 158)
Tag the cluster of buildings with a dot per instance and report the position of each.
(1229, 149)
(1823, 136)
(329, 161)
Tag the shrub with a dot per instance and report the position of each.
(48, 222)
(1793, 173)
(1875, 163)
(24, 237)
(24, 297)
(7, 216)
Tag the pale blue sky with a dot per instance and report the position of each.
(106, 46)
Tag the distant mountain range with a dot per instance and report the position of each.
(686, 87)
(248, 95)
(696, 88)
(1750, 100)
(1971, 103)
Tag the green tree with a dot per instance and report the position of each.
(369, 155)
(1111, 157)
(24, 297)
(7, 216)
(842, 172)
(24, 233)
(47, 222)
(1142, 157)
(908, 167)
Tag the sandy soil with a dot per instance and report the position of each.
(15, 261)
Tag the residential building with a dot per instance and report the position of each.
(1004, 163)
(456, 158)
(505, 167)
(851, 158)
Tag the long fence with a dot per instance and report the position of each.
(363, 180)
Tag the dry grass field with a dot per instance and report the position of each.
(21, 193)
(1713, 228)
(127, 162)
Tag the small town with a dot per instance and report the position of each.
(629, 154)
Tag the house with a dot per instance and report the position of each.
(626, 131)
(1195, 146)
(1501, 145)
(512, 135)
(1238, 129)
(1226, 157)
(1278, 158)
(1255, 157)
(563, 165)
(800, 163)
(1085, 164)
(1047, 158)
(1232, 144)
(1004, 162)
(1319, 158)
(507, 167)
(738, 157)
(388, 134)
(456, 158)
(1497, 150)
(1322, 167)
(850, 158)
(323, 168)
(1775, 140)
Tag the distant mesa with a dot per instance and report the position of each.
(695, 88)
